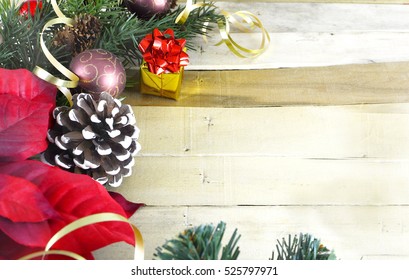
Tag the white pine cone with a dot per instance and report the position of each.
(97, 138)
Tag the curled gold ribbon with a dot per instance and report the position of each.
(73, 79)
(139, 253)
(248, 18)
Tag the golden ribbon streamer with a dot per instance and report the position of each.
(250, 19)
(139, 253)
(73, 79)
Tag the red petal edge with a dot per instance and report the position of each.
(128, 206)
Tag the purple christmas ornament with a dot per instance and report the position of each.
(99, 71)
(145, 9)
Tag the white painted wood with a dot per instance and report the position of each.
(367, 131)
(258, 180)
(307, 50)
(324, 17)
(312, 34)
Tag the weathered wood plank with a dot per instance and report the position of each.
(312, 34)
(354, 232)
(307, 50)
(322, 17)
(229, 181)
(367, 131)
(337, 85)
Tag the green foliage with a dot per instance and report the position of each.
(121, 31)
(306, 247)
(21, 45)
(200, 243)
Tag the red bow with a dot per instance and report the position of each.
(163, 53)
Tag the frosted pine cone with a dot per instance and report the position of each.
(97, 138)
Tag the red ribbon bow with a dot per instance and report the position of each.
(162, 52)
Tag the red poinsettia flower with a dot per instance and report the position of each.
(25, 106)
(37, 200)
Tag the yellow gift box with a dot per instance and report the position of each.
(165, 84)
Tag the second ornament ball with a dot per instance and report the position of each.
(145, 9)
(99, 71)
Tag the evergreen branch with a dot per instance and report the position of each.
(306, 247)
(200, 243)
(121, 31)
(21, 45)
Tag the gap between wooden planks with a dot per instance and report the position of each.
(336, 85)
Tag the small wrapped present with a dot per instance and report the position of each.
(165, 84)
(164, 58)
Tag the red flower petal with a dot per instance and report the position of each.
(26, 85)
(129, 207)
(30, 5)
(11, 250)
(26, 103)
(23, 128)
(22, 201)
(27, 234)
(73, 196)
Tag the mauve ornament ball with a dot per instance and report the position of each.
(99, 71)
(145, 9)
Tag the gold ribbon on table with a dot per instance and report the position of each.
(244, 18)
(63, 85)
(139, 253)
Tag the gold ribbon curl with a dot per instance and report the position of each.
(139, 253)
(248, 18)
(63, 85)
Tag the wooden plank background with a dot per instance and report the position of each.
(273, 152)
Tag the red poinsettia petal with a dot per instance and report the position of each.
(75, 196)
(23, 128)
(27, 234)
(24, 84)
(22, 201)
(11, 250)
(128, 206)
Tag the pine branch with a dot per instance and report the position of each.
(21, 46)
(121, 31)
(201, 243)
(306, 247)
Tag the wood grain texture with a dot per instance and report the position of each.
(307, 49)
(337, 85)
(262, 180)
(321, 17)
(310, 34)
(303, 132)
